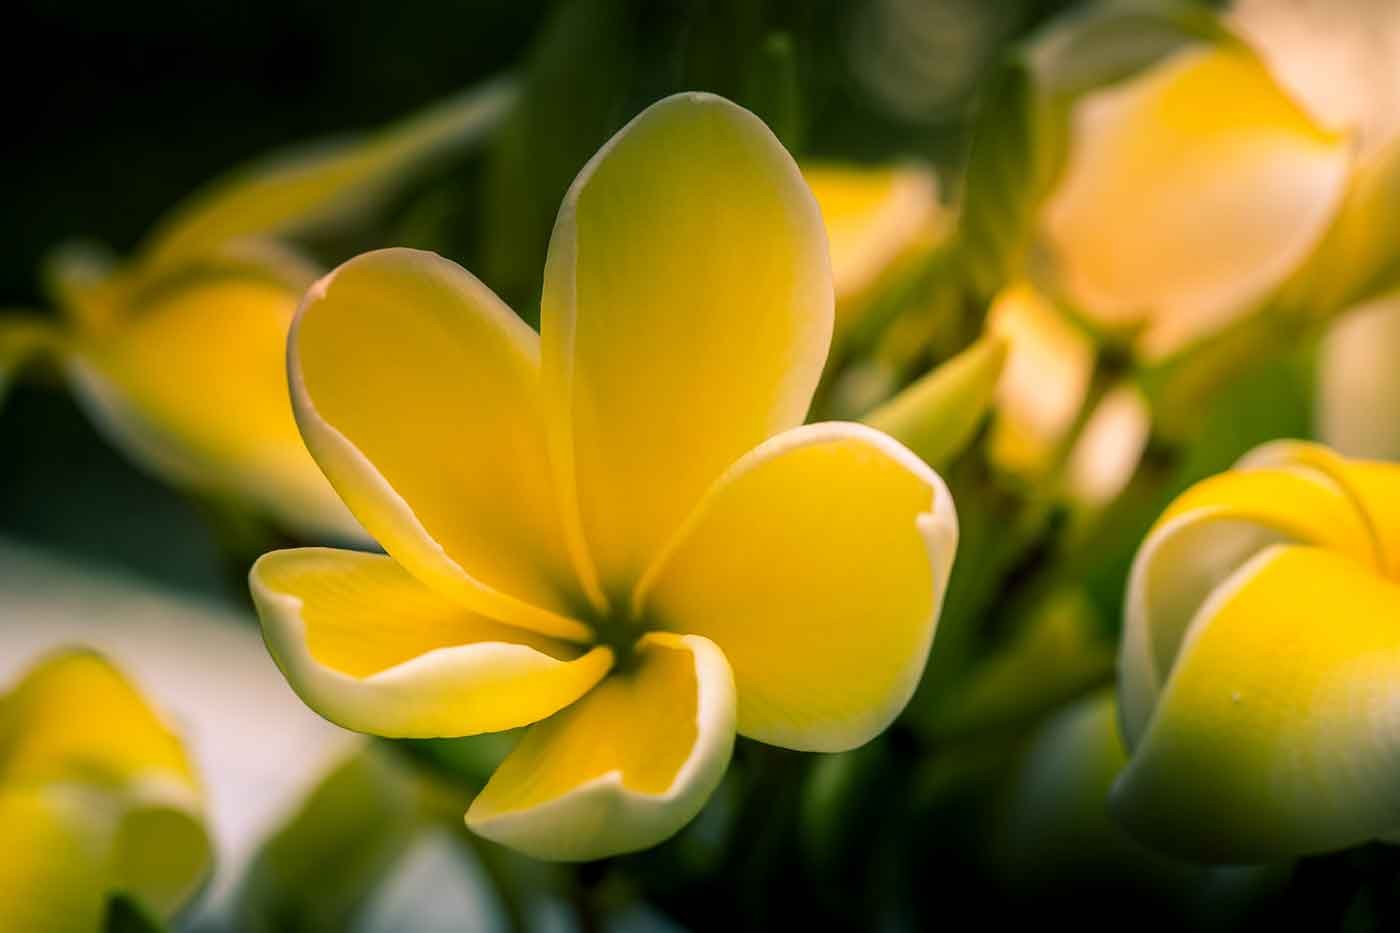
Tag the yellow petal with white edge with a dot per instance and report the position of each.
(372, 649)
(53, 873)
(818, 564)
(686, 316)
(874, 218)
(1372, 485)
(76, 728)
(625, 767)
(418, 393)
(1276, 733)
(1189, 191)
(193, 386)
(315, 186)
(1204, 537)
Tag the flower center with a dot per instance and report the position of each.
(620, 633)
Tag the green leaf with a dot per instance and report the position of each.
(1058, 654)
(938, 416)
(315, 186)
(773, 90)
(319, 869)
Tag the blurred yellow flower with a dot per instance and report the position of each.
(1358, 388)
(97, 798)
(1044, 384)
(179, 354)
(1190, 191)
(615, 529)
(1260, 660)
(878, 222)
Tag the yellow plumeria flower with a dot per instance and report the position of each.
(1044, 384)
(615, 529)
(178, 354)
(1358, 382)
(97, 798)
(878, 222)
(1259, 661)
(1190, 191)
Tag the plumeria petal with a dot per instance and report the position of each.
(1372, 486)
(1358, 383)
(818, 563)
(53, 872)
(371, 648)
(1277, 731)
(1049, 364)
(626, 766)
(686, 316)
(1189, 191)
(89, 767)
(194, 388)
(1202, 539)
(417, 391)
(875, 217)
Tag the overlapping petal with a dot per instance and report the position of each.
(1190, 190)
(626, 766)
(99, 785)
(418, 393)
(1257, 651)
(1201, 540)
(1277, 731)
(686, 316)
(371, 648)
(818, 564)
(213, 344)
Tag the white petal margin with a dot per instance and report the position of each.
(593, 781)
(371, 649)
(417, 392)
(818, 563)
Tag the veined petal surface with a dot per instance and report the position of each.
(686, 316)
(417, 391)
(625, 767)
(818, 564)
(371, 648)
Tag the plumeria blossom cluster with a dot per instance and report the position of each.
(617, 535)
(616, 530)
